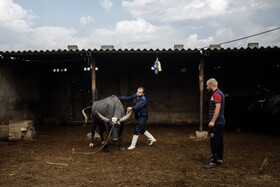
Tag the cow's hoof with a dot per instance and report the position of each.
(90, 145)
(122, 148)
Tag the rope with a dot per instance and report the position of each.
(91, 153)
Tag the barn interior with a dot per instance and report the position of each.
(52, 87)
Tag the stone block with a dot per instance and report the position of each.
(29, 135)
(4, 131)
(19, 130)
(14, 139)
(201, 134)
(15, 133)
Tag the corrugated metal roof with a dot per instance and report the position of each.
(136, 50)
(82, 55)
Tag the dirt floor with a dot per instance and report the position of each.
(175, 160)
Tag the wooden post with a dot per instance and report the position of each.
(201, 82)
(93, 80)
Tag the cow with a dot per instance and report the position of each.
(108, 113)
(236, 112)
(266, 108)
(264, 100)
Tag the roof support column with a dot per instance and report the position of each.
(93, 80)
(201, 81)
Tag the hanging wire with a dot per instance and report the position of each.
(245, 37)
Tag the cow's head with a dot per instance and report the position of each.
(256, 105)
(116, 122)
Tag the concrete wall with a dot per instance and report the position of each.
(65, 94)
(20, 92)
(32, 91)
(173, 95)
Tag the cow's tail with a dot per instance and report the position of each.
(85, 115)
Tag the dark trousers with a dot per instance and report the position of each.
(140, 125)
(217, 142)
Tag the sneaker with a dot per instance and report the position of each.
(209, 166)
(219, 163)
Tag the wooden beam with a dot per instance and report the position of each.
(201, 84)
(93, 80)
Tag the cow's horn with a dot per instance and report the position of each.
(267, 90)
(85, 115)
(261, 101)
(102, 117)
(126, 116)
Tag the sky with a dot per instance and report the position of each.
(136, 24)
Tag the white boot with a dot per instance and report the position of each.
(150, 138)
(133, 142)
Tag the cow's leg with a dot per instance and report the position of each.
(121, 146)
(106, 149)
(101, 132)
(107, 136)
(92, 134)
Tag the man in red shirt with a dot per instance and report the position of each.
(216, 123)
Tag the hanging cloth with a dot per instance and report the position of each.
(159, 66)
(156, 66)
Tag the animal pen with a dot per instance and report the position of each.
(47, 90)
(54, 86)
